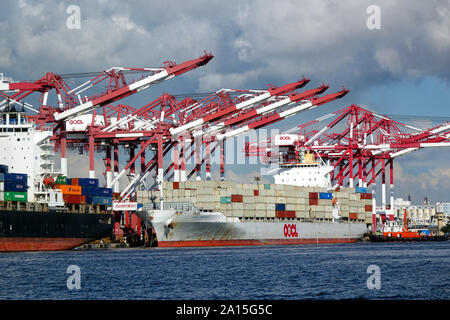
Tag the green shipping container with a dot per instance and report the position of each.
(61, 180)
(16, 196)
(267, 186)
(226, 199)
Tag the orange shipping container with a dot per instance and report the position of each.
(70, 189)
(353, 216)
(75, 181)
(368, 208)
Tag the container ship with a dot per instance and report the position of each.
(40, 209)
(301, 207)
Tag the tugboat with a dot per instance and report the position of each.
(394, 231)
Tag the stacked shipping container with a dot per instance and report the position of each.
(13, 186)
(83, 191)
(267, 200)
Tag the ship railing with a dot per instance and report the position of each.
(186, 207)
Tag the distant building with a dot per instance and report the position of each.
(420, 214)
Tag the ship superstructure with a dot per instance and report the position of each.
(28, 150)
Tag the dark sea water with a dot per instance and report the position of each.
(406, 271)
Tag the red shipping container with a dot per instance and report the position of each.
(176, 185)
(256, 192)
(313, 202)
(74, 199)
(280, 213)
(314, 195)
(290, 214)
(75, 181)
(353, 216)
(236, 198)
(368, 208)
(366, 196)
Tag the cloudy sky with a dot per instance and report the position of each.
(402, 69)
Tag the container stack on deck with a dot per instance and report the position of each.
(13, 186)
(83, 191)
(268, 201)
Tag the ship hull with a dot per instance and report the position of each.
(214, 229)
(50, 231)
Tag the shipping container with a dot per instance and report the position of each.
(61, 180)
(225, 200)
(88, 182)
(15, 196)
(266, 186)
(256, 193)
(15, 186)
(104, 192)
(353, 216)
(280, 214)
(15, 177)
(360, 190)
(325, 195)
(88, 191)
(2, 177)
(313, 195)
(280, 206)
(74, 198)
(88, 198)
(102, 200)
(69, 181)
(368, 208)
(74, 181)
(236, 198)
(70, 189)
(313, 202)
(3, 168)
(366, 196)
(176, 185)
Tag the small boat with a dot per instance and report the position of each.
(394, 231)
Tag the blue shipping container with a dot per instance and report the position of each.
(280, 206)
(361, 190)
(325, 195)
(89, 198)
(2, 177)
(69, 181)
(15, 186)
(16, 177)
(102, 200)
(3, 168)
(88, 182)
(88, 191)
(103, 192)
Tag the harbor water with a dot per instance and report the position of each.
(341, 271)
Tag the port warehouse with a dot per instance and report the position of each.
(267, 201)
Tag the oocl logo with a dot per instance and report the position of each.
(75, 121)
(285, 138)
(290, 231)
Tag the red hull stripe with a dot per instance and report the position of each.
(40, 244)
(250, 242)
